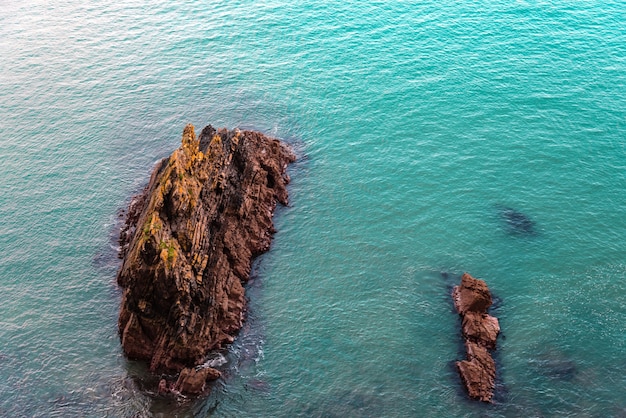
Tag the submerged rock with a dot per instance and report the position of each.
(516, 222)
(192, 381)
(189, 242)
(472, 298)
(552, 362)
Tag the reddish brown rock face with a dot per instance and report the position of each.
(472, 295)
(472, 298)
(480, 328)
(189, 243)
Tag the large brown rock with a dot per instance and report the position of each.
(189, 243)
(472, 298)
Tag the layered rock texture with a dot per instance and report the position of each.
(472, 298)
(188, 245)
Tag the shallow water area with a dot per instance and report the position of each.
(415, 124)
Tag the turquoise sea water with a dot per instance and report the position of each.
(415, 122)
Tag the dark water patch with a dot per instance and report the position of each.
(496, 302)
(122, 389)
(67, 401)
(127, 217)
(258, 385)
(456, 383)
(516, 222)
(140, 379)
(103, 396)
(106, 262)
(107, 258)
(501, 392)
(356, 401)
(449, 280)
(554, 364)
(143, 385)
(619, 412)
(346, 403)
(247, 349)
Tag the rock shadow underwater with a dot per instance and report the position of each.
(515, 222)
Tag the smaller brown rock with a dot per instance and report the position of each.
(472, 298)
(192, 381)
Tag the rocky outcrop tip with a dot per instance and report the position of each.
(188, 244)
(472, 298)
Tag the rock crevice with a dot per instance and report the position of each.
(189, 241)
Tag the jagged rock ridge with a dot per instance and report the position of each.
(480, 330)
(189, 242)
